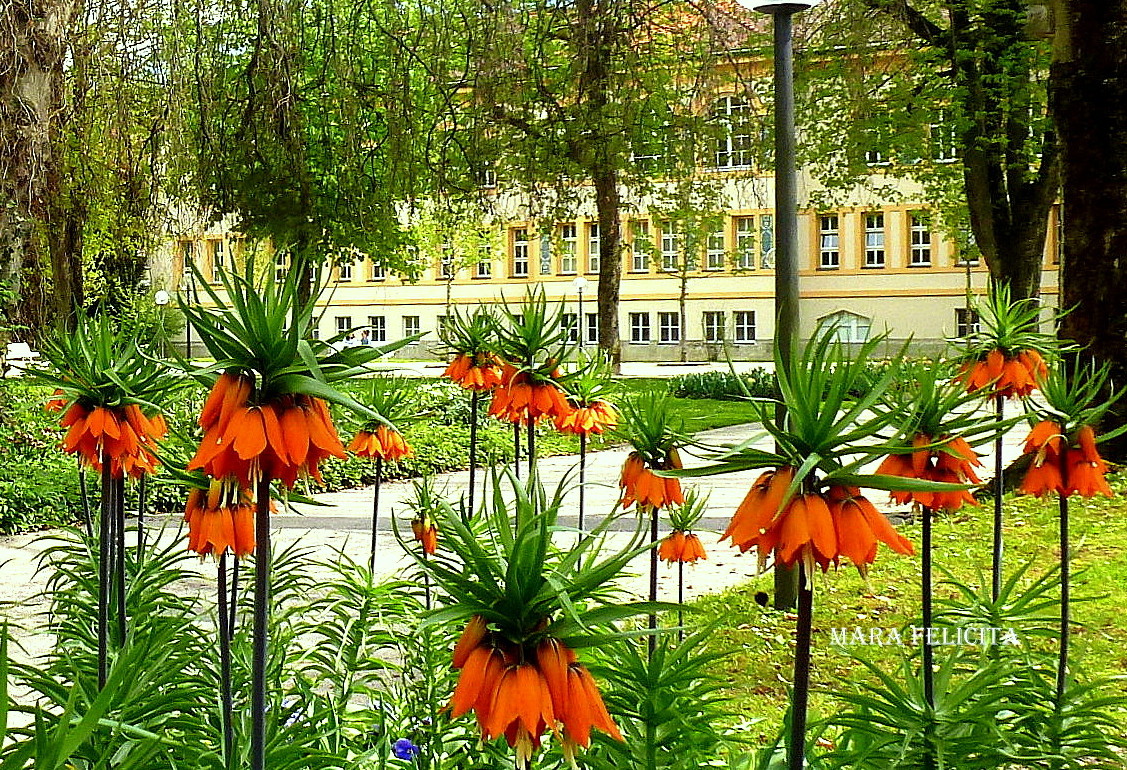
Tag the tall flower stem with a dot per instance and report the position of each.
(475, 401)
(376, 514)
(84, 493)
(1065, 589)
(105, 515)
(261, 620)
(119, 555)
(796, 748)
(653, 575)
(531, 445)
(233, 621)
(225, 631)
(582, 477)
(516, 449)
(928, 653)
(999, 490)
(142, 495)
(680, 601)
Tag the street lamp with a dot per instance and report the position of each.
(161, 299)
(579, 283)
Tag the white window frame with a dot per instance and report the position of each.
(767, 241)
(591, 327)
(594, 242)
(218, 249)
(829, 241)
(484, 266)
(377, 326)
(745, 243)
(640, 257)
(519, 246)
(734, 148)
(716, 252)
(640, 328)
(670, 248)
(569, 322)
(743, 326)
(847, 326)
(343, 323)
(569, 248)
(919, 240)
(875, 240)
(344, 271)
(376, 271)
(669, 327)
(715, 325)
(966, 322)
(412, 324)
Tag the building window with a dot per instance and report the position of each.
(874, 239)
(484, 266)
(919, 239)
(966, 322)
(670, 247)
(734, 145)
(714, 326)
(592, 328)
(546, 254)
(829, 242)
(744, 325)
(446, 263)
(281, 267)
(745, 243)
(520, 252)
(715, 250)
(344, 323)
(344, 271)
(411, 325)
(593, 245)
(570, 323)
(944, 135)
(669, 327)
(377, 325)
(639, 327)
(376, 271)
(218, 258)
(846, 326)
(569, 247)
(767, 241)
(641, 244)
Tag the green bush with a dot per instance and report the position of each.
(758, 383)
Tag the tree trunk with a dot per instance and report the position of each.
(1089, 102)
(608, 202)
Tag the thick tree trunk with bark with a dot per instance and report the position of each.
(1089, 100)
(608, 203)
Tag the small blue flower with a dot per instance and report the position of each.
(405, 749)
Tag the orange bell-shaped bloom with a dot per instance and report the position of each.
(123, 434)
(520, 399)
(681, 547)
(384, 443)
(480, 372)
(220, 519)
(759, 508)
(597, 417)
(1013, 376)
(953, 462)
(425, 531)
(860, 526)
(641, 485)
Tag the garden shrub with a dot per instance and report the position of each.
(758, 383)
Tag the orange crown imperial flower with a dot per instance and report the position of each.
(220, 518)
(597, 417)
(122, 433)
(640, 485)
(811, 528)
(953, 462)
(1013, 376)
(382, 444)
(1082, 471)
(285, 438)
(481, 371)
(680, 546)
(520, 399)
(425, 531)
(520, 692)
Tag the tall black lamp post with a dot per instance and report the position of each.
(786, 216)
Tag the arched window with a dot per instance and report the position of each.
(847, 327)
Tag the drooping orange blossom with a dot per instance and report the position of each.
(810, 528)
(1007, 375)
(425, 531)
(953, 461)
(384, 443)
(522, 398)
(680, 546)
(641, 485)
(122, 433)
(519, 692)
(480, 371)
(220, 518)
(596, 417)
(1081, 473)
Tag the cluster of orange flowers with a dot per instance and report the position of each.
(811, 527)
(384, 443)
(681, 546)
(1009, 376)
(597, 417)
(282, 439)
(520, 692)
(952, 461)
(642, 486)
(1081, 472)
(121, 433)
(481, 371)
(219, 518)
(425, 531)
(520, 399)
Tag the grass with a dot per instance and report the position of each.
(758, 670)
